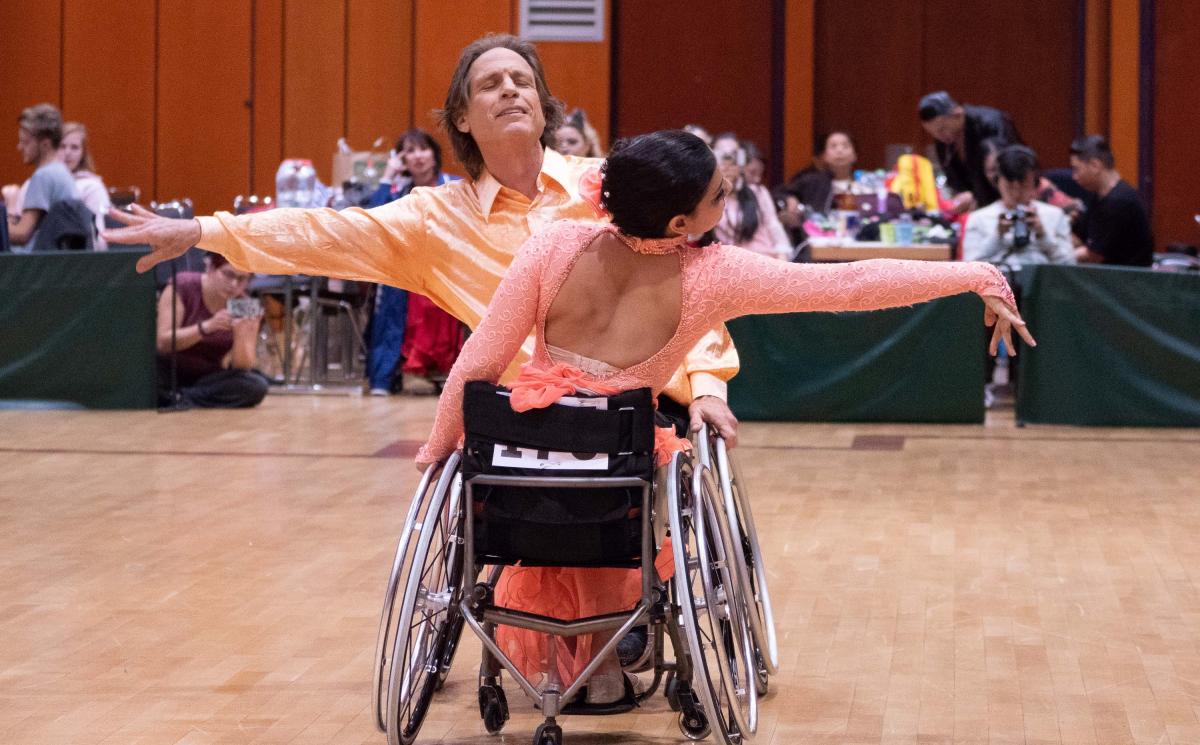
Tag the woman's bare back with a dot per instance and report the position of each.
(616, 306)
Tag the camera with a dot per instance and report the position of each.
(1020, 226)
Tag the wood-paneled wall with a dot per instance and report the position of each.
(203, 100)
(875, 61)
(701, 62)
(1176, 111)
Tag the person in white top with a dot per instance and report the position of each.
(750, 220)
(1017, 230)
(73, 152)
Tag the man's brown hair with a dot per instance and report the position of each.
(44, 122)
(459, 94)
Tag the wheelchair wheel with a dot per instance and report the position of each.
(735, 498)
(417, 512)
(428, 622)
(711, 612)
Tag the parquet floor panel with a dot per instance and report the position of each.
(215, 577)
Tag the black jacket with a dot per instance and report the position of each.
(966, 173)
(68, 226)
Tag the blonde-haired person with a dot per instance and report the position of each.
(74, 153)
(577, 136)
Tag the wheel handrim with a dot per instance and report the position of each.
(686, 524)
(428, 618)
(737, 505)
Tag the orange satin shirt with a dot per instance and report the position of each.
(451, 243)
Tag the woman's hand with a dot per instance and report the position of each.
(246, 326)
(220, 321)
(423, 467)
(1004, 318)
(167, 237)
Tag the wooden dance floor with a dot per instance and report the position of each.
(216, 577)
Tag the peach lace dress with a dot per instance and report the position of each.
(719, 283)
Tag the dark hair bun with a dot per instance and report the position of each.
(649, 179)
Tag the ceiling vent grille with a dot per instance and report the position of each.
(562, 20)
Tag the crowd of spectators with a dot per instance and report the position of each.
(1008, 211)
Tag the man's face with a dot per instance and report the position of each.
(1014, 193)
(27, 146)
(945, 128)
(503, 100)
(1087, 173)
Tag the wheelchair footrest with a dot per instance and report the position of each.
(626, 703)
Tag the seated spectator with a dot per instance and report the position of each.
(214, 352)
(1017, 229)
(75, 155)
(577, 136)
(959, 131)
(756, 167)
(39, 135)
(749, 220)
(831, 174)
(1048, 191)
(408, 325)
(701, 132)
(1117, 225)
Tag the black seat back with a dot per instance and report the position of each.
(67, 226)
(566, 525)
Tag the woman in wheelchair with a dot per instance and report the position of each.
(616, 307)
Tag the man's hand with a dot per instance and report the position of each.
(1034, 222)
(712, 410)
(167, 237)
(963, 202)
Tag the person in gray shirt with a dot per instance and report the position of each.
(38, 137)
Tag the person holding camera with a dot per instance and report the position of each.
(215, 340)
(1017, 229)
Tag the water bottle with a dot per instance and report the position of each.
(294, 183)
(904, 230)
(286, 184)
(306, 177)
(881, 191)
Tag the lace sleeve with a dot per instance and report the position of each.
(740, 283)
(492, 346)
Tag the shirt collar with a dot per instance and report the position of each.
(554, 168)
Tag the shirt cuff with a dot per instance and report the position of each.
(707, 384)
(209, 226)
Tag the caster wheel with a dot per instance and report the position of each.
(694, 725)
(493, 708)
(762, 679)
(671, 691)
(547, 734)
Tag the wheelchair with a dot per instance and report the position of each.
(574, 485)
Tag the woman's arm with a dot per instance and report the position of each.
(740, 283)
(185, 336)
(244, 354)
(492, 346)
(743, 283)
